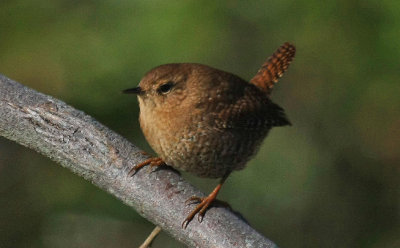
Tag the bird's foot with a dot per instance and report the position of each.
(153, 162)
(203, 204)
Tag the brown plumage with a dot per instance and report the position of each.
(207, 121)
(274, 67)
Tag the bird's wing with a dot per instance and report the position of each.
(250, 111)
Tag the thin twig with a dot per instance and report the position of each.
(151, 237)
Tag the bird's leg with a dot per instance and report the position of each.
(153, 162)
(204, 203)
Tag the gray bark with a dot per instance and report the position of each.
(80, 143)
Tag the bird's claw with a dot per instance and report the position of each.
(193, 200)
(153, 162)
(204, 203)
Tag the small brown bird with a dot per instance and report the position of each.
(207, 121)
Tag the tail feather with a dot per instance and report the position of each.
(274, 67)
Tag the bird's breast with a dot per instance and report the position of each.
(192, 143)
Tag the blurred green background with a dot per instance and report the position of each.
(330, 180)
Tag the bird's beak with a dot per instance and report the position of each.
(136, 91)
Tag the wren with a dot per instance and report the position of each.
(206, 121)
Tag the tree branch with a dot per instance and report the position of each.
(80, 143)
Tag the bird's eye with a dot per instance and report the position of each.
(165, 88)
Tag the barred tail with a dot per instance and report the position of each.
(274, 67)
